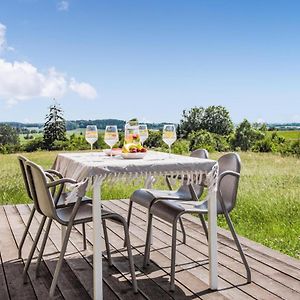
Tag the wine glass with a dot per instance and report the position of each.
(111, 136)
(169, 135)
(91, 134)
(143, 133)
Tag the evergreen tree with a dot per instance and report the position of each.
(55, 126)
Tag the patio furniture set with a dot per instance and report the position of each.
(48, 189)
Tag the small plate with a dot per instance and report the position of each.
(137, 155)
(114, 151)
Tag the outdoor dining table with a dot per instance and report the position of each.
(99, 168)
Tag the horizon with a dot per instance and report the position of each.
(117, 60)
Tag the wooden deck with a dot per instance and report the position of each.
(275, 276)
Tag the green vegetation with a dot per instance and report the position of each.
(268, 206)
(287, 134)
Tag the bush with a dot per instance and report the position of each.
(265, 145)
(181, 146)
(154, 140)
(202, 139)
(34, 145)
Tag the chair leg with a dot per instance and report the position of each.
(183, 231)
(173, 256)
(239, 247)
(148, 241)
(204, 225)
(37, 237)
(128, 217)
(43, 247)
(106, 242)
(84, 236)
(25, 232)
(130, 258)
(60, 260)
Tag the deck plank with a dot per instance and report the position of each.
(13, 267)
(274, 275)
(276, 288)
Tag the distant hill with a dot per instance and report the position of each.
(74, 124)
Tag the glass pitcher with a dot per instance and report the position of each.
(132, 133)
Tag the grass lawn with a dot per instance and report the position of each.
(268, 207)
(288, 134)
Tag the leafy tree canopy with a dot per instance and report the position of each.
(8, 135)
(214, 119)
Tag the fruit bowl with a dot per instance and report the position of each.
(136, 155)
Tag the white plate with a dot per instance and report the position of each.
(114, 152)
(137, 155)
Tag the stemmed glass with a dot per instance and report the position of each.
(143, 133)
(91, 134)
(169, 135)
(111, 136)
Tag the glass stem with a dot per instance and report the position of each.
(110, 151)
(91, 147)
(170, 151)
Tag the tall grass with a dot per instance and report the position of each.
(268, 206)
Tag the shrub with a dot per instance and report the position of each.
(181, 146)
(265, 145)
(34, 145)
(202, 139)
(154, 140)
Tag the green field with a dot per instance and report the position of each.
(268, 207)
(288, 134)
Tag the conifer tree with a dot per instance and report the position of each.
(54, 127)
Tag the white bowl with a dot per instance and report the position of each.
(137, 155)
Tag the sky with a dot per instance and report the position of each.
(149, 59)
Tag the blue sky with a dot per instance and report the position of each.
(149, 59)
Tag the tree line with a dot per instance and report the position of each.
(210, 128)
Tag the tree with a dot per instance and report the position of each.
(246, 136)
(8, 135)
(214, 119)
(55, 126)
(191, 121)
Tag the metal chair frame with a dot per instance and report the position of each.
(40, 191)
(200, 212)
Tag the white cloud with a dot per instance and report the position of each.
(83, 89)
(21, 81)
(3, 43)
(63, 5)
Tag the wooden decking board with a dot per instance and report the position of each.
(198, 272)
(68, 284)
(40, 284)
(13, 267)
(181, 292)
(4, 294)
(263, 280)
(274, 275)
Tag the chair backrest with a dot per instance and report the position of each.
(200, 153)
(228, 187)
(22, 160)
(184, 189)
(39, 190)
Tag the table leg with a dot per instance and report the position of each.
(97, 254)
(212, 240)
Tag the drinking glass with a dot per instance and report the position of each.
(169, 135)
(91, 134)
(143, 133)
(111, 136)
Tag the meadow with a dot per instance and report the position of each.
(268, 205)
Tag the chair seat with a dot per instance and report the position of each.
(168, 210)
(145, 197)
(63, 198)
(84, 214)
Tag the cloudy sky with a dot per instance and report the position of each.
(149, 59)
